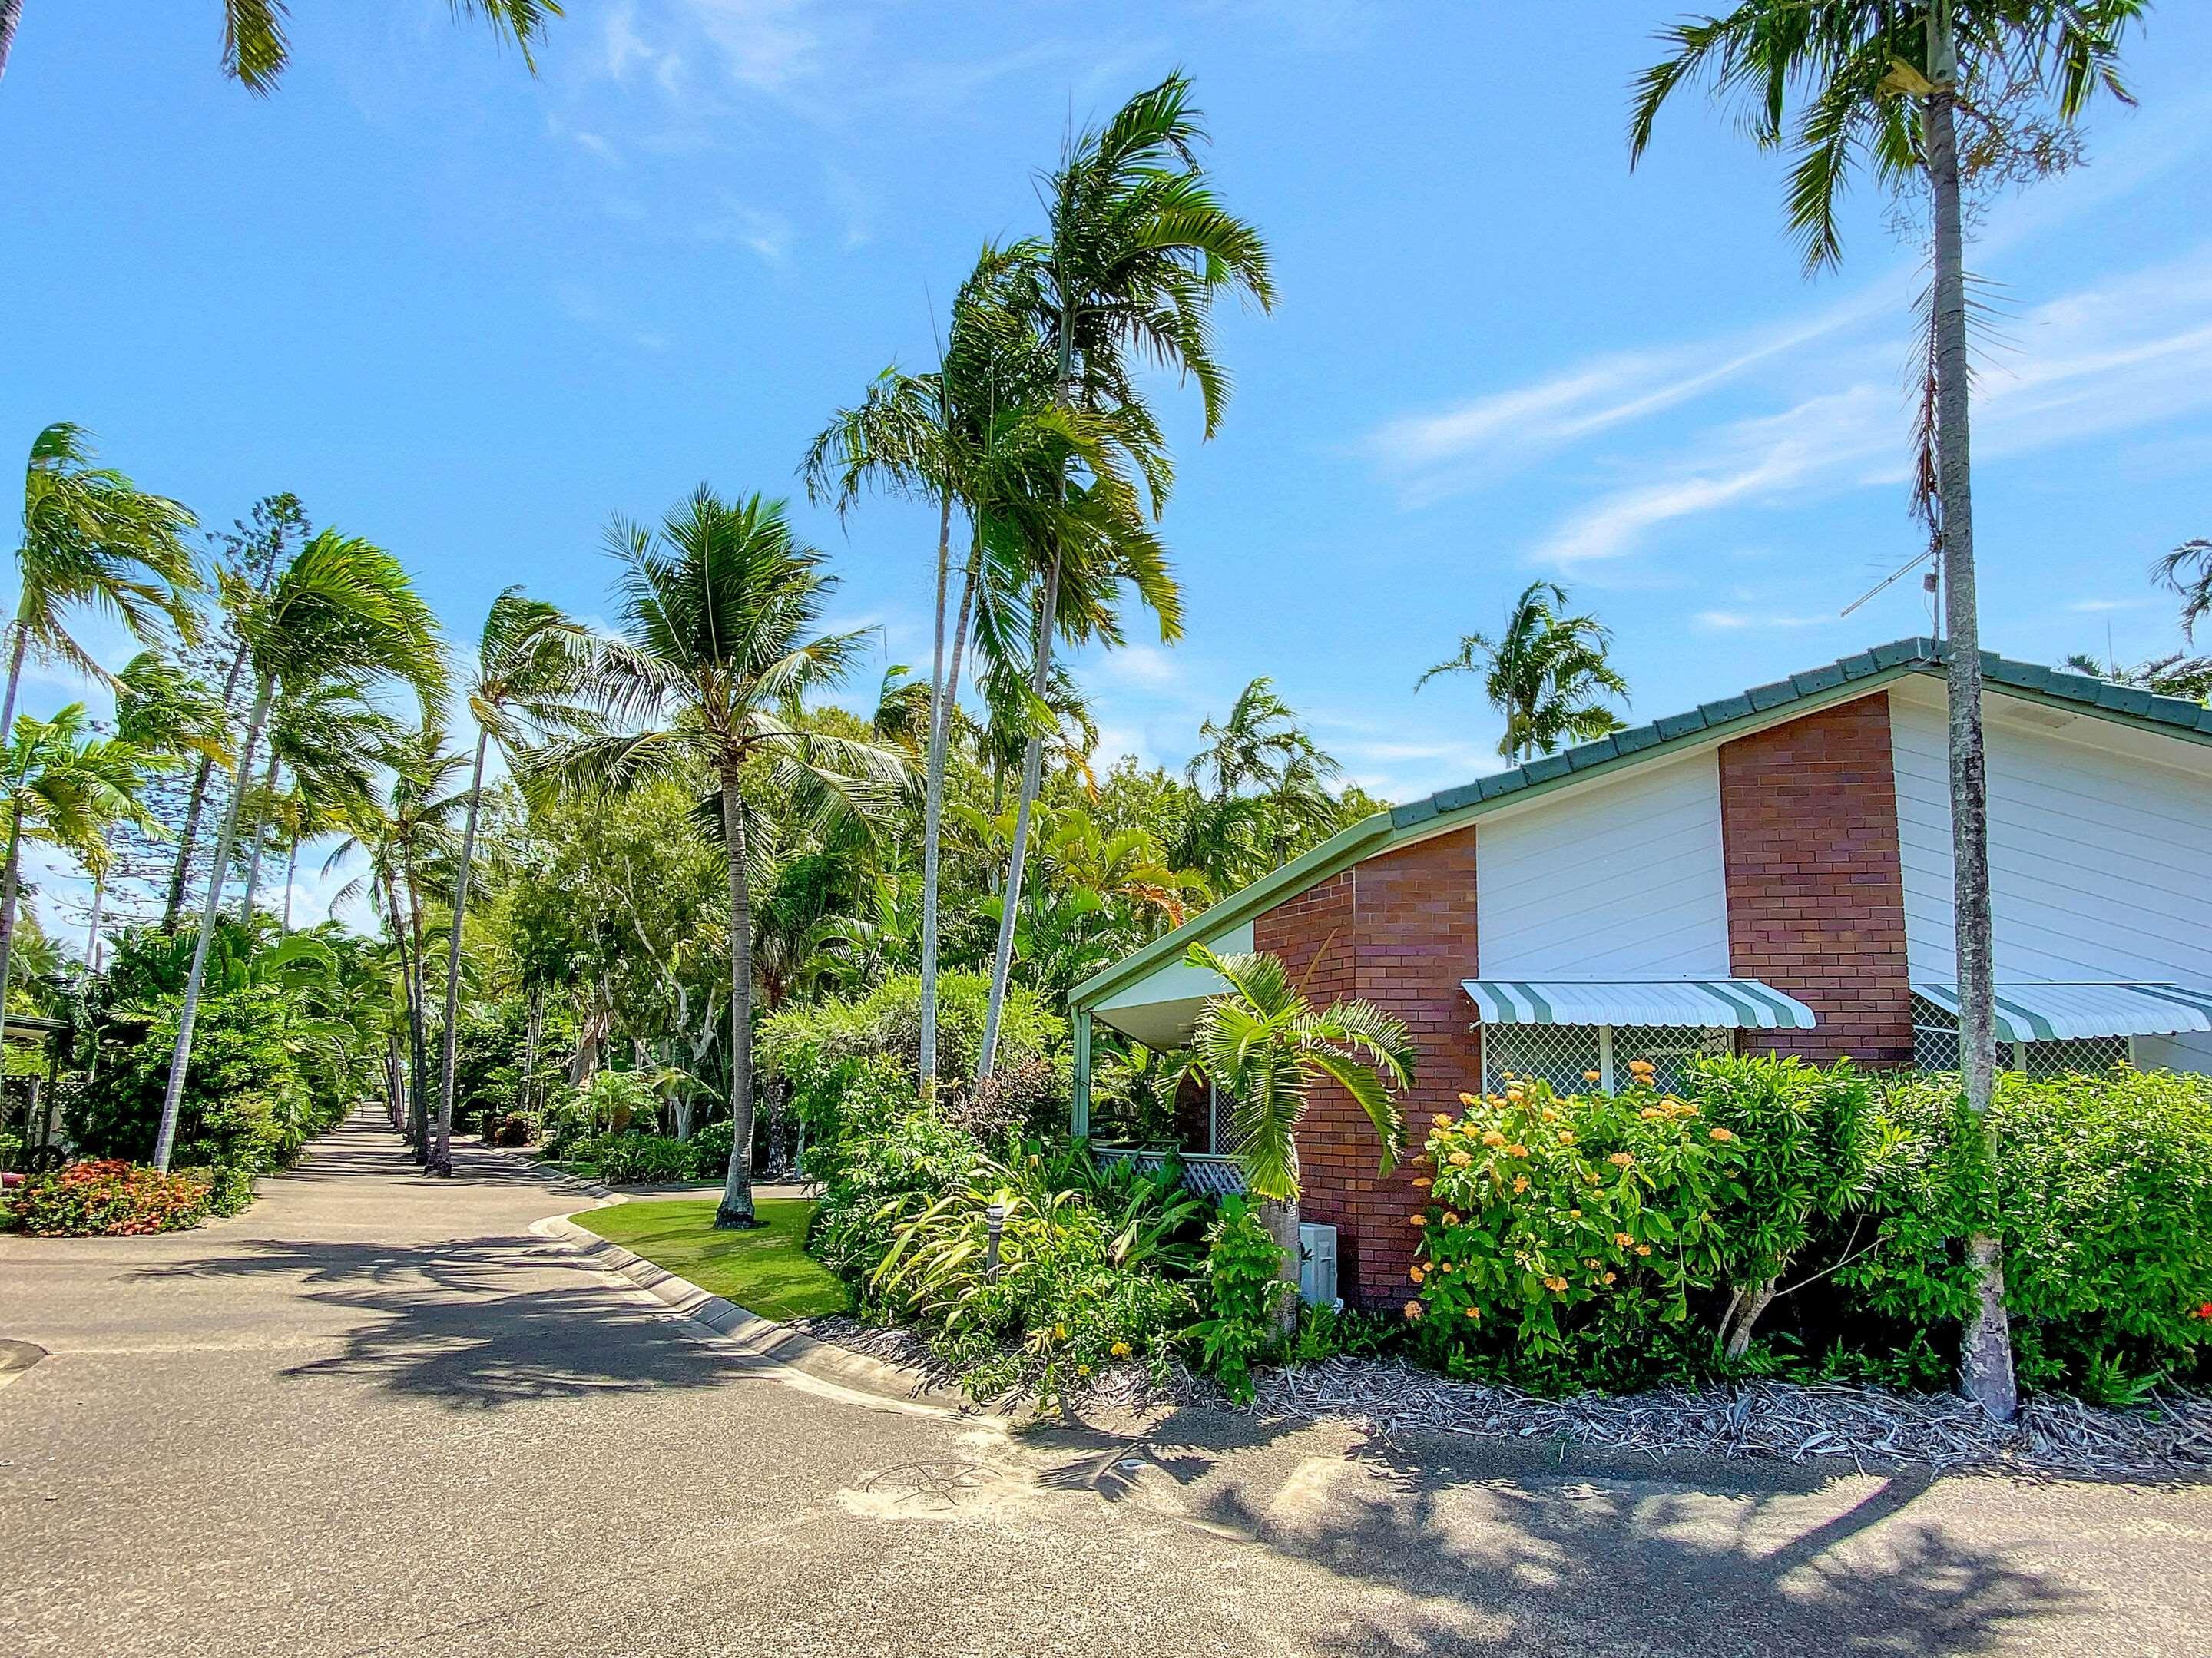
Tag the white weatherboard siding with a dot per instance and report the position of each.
(1617, 879)
(2101, 845)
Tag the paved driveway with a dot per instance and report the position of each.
(377, 1415)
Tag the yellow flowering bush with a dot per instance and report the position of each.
(1563, 1228)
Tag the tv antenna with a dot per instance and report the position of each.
(1928, 585)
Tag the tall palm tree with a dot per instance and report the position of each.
(1546, 673)
(716, 647)
(332, 741)
(255, 48)
(1261, 783)
(1893, 81)
(92, 539)
(1136, 250)
(161, 708)
(342, 611)
(2188, 570)
(64, 786)
(1264, 1044)
(530, 663)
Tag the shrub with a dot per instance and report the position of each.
(1068, 1298)
(1567, 1232)
(638, 1159)
(876, 1181)
(607, 1104)
(710, 1150)
(111, 1197)
(1027, 1097)
(512, 1127)
(1245, 1291)
(2101, 1192)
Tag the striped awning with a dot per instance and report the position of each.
(2048, 1013)
(1703, 1003)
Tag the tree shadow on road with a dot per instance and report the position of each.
(463, 1323)
(1508, 1549)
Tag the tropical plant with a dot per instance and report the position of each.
(341, 612)
(64, 786)
(92, 539)
(1262, 785)
(1136, 250)
(1264, 1045)
(2188, 570)
(1546, 673)
(1891, 82)
(530, 659)
(716, 648)
(256, 47)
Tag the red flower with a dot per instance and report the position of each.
(2205, 1311)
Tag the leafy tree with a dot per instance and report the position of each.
(1135, 251)
(341, 612)
(1546, 673)
(255, 48)
(2188, 570)
(1264, 1044)
(1262, 787)
(1889, 83)
(717, 646)
(92, 539)
(531, 660)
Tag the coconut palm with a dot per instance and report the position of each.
(255, 48)
(1546, 673)
(1264, 1045)
(1891, 82)
(1136, 250)
(716, 647)
(92, 539)
(340, 612)
(2188, 570)
(1261, 783)
(63, 785)
(530, 661)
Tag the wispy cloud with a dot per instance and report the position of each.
(1738, 621)
(769, 235)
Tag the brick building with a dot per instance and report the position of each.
(1770, 872)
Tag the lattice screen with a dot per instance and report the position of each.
(1222, 1138)
(1564, 1054)
(1936, 1047)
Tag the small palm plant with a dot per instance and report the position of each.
(342, 611)
(716, 648)
(1264, 1044)
(1546, 673)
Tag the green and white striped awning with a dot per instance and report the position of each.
(2053, 1013)
(1698, 1003)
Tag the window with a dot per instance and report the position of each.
(1564, 1054)
(1936, 1047)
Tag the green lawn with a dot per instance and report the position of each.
(765, 1271)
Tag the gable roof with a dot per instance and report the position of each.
(1800, 693)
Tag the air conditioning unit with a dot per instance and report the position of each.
(1317, 1265)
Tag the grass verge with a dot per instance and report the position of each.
(765, 1271)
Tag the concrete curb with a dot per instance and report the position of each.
(763, 1338)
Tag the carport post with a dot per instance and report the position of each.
(1078, 1104)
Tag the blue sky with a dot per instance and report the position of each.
(468, 314)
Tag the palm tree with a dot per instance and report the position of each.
(716, 647)
(1261, 783)
(1894, 80)
(2188, 570)
(63, 785)
(92, 539)
(1546, 673)
(1263, 1043)
(255, 49)
(342, 611)
(332, 742)
(160, 708)
(1136, 250)
(530, 661)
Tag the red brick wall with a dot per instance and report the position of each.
(1398, 930)
(1815, 894)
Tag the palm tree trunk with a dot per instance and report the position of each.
(735, 1209)
(254, 858)
(197, 801)
(7, 886)
(1002, 964)
(291, 878)
(441, 1142)
(11, 12)
(1985, 1358)
(926, 1064)
(179, 1059)
(92, 927)
(532, 1021)
(418, 1023)
(15, 654)
(932, 818)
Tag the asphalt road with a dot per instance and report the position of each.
(377, 1415)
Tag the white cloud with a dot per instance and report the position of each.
(1736, 621)
(1146, 666)
(2098, 606)
(767, 235)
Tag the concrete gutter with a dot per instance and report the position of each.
(764, 1339)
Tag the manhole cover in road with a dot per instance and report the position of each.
(15, 1358)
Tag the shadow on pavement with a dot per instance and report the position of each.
(1514, 1549)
